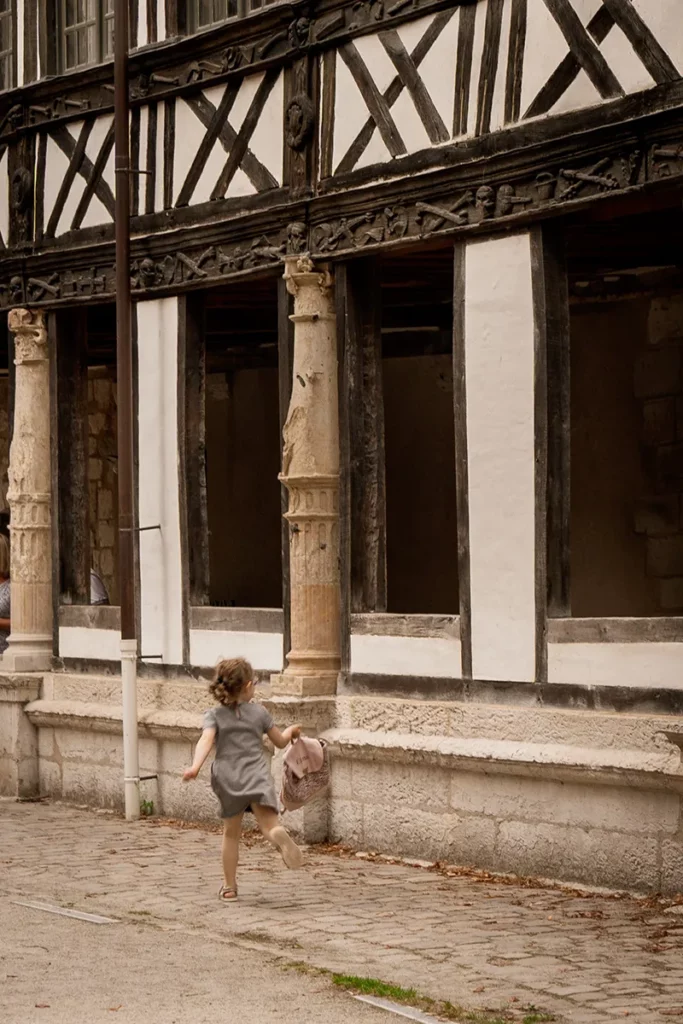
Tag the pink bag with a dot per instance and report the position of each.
(305, 772)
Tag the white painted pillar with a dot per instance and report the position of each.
(498, 346)
(161, 570)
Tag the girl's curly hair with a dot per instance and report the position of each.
(230, 678)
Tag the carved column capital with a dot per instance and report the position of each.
(30, 335)
(301, 272)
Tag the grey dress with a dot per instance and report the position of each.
(240, 773)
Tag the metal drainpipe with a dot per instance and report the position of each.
(124, 362)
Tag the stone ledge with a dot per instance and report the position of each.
(19, 689)
(661, 769)
(106, 718)
(549, 761)
(166, 725)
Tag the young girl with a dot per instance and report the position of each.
(240, 775)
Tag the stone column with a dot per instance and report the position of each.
(310, 472)
(29, 497)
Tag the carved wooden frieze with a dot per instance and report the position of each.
(154, 272)
(487, 205)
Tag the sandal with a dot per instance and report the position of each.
(289, 851)
(226, 894)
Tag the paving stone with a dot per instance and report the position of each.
(472, 942)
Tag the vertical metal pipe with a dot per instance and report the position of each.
(124, 361)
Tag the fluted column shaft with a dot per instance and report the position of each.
(310, 472)
(30, 499)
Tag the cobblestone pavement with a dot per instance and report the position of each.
(481, 943)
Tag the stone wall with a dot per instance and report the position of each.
(102, 476)
(582, 796)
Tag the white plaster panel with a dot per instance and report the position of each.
(377, 61)
(4, 196)
(240, 185)
(161, 19)
(85, 642)
(143, 37)
(263, 650)
(613, 664)
(581, 93)
(144, 132)
(267, 141)
(499, 373)
(409, 124)
(160, 550)
(406, 656)
(20, 40)
(96, 212)
(477, 52)
(500, 81)
(438, 67)
(545, 48)
(663, 18)
(56, 166)
(244, 99)
(350, 114)
(188, 137)
(159, 184)
(624, 62)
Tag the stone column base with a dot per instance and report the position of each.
(18, 738)
(27, 654)
(286, 684)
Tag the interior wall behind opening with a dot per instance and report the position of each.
(627, 458)
(243, 446)
(417, 324)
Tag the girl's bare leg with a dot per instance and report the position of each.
(269, 823)
(232, 828)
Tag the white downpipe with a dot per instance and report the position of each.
(131, 762)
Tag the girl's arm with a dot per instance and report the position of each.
(206, 741)
(281, 739)
(5, 625)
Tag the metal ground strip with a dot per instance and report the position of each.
(80, 915)
(401, 1011)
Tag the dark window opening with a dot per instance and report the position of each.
(7, 42)
(243, 445)
(417, 346)
(87, 454)
(626, 531)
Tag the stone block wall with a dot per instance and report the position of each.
(103, 476)
(658, 384)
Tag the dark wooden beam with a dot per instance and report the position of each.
(72, 429)
(192, 441)
(552, 280)
(285, 370)
(361, 405)
(461, 462)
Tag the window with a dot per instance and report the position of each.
(213, 12)
(87, 32)
(206, 13)
(6, 45)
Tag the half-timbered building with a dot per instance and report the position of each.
(408, 328)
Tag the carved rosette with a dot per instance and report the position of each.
(29, 496)
(310, 472)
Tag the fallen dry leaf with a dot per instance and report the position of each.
(42, 1006)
